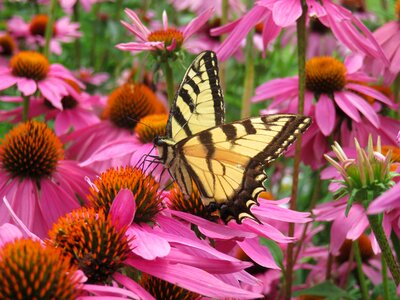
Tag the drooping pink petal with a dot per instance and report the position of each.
(364, 107)
(132, 286)
(370, 92)
(8, 233)
(192, 279)
(388, 200)
(197, 23)
(105, 292)
(26, 86)
(137, 47)
(344, 103)
(270, 31)
(123, 208)
(232, 42)
(7, 81)
(325, 114)
(285, 87)
(285, 13)
(258, 253)
(146, 244)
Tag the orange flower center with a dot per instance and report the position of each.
(143, 187)
(151, 126)
(7, 45)
(30, 64)
(395, 152)
(31, 271)
(38, 25)
(161, 289)
(167, 36)
(129, 103)
(397, 9)
(31, 150)
(365, 249)
(325, 75)
(192, 204)
(90, 237)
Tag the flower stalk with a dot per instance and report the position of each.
(249, 76)
(376, 226)
(301, 53)
(25, 108)
(49, 27)
(361, 278)
(385, 281)
(224, 20)
(77, 42)
(169, 78)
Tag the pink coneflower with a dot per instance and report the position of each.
(44, 187)
(31, 71)
(275, 15)
(112, 142)
(87, 75)
(168, 38)
(160, 245)
(68, 5)
(336, 86)
(64, 31)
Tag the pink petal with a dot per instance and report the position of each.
(325, 114)
(197, 23)
(345, 104)
(26, 86)
(140, 30)
(192, 279)
(270, 31)
(283, 87)
(9, 233)
(148, 245)
(258, 253)
(388, 200)
(232, 42)
(123, 208)
(137, 47)
(364, 107)
(370, 92)
(6, 81)
(133, 286)
(285, 13)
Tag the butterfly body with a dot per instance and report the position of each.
(225, 161)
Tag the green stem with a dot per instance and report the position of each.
(396, 244)
(169, 78)
(25, 108)
(361, 278)
(385, 281)
(118, 8)
(249, 75)
(301, 53)
(222, 65)
(376, 226)
(77, 43)
(49, 28)
(95, 28)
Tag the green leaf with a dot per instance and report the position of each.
(275, 250)
(326, 289)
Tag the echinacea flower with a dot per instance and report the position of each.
(29, 269)
(31, 71)
(64, 31)
(88, 76)
(160, 246)
(165, 39)
(43, 187)
(8, 47)
(279, 14)
(112, 142)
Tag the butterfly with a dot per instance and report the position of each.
(225, 161)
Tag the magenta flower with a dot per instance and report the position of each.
(387, 201)
(338, 87)
(278, 14)
(64, 31)
(167, 38)
(43, 188)
(31, 71)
